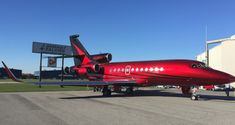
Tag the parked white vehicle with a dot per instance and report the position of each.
(219, 88)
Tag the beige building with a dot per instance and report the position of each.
(222, 56)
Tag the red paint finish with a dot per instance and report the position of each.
(165, 72)
(148, 73)
(102, 58)
(84, 58)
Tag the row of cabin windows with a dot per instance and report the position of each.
(156, 69)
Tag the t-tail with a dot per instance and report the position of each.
(81, 56)
(10, 74)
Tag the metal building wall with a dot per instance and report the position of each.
(222, 57)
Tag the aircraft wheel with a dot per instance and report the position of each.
(194, 97)
(107, 93)
(129, 90)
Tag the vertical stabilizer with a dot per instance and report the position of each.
(82, 56)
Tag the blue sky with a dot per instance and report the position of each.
(129, 29)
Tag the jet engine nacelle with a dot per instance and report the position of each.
(81, 71)
(69, 70)
(102, 58)
(91, 67)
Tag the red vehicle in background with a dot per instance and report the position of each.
(209, 87)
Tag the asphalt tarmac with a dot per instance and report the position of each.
(145, 107)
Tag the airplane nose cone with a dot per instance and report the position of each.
(232, 79)
(222, 77)
(225, 77)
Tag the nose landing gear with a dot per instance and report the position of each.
(194, 95)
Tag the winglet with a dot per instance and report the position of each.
(10, 74)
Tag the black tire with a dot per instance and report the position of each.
(129, 90)
(194, 97)
(107, 93)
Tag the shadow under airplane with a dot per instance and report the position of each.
(160, 93)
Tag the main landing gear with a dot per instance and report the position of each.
(129, 90)
(190, 91)
(106, 91)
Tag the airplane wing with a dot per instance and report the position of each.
(73, 83)
(87, 83)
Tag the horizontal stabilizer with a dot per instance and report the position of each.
(10, 74)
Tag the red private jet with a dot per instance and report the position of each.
(103, 74)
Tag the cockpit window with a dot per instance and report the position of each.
(194, 65)
(201, 65)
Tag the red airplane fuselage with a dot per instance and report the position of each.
(165, 72)
(184, 73)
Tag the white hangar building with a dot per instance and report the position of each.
(222, 56)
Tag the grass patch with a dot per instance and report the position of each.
(29, 87)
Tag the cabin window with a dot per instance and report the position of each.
(161, 69)
(156, 69)
(151, 69)
(132, 69)
(110, 70)
(141, 70)
(146, 69)
(123, 70)
(114, 70)
(137, 69)
(119, 70)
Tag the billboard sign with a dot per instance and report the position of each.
(48, 48)
(52, 62)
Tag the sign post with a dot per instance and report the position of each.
(62, 72)
(62, 69)
(40, 70)
(56, 49)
